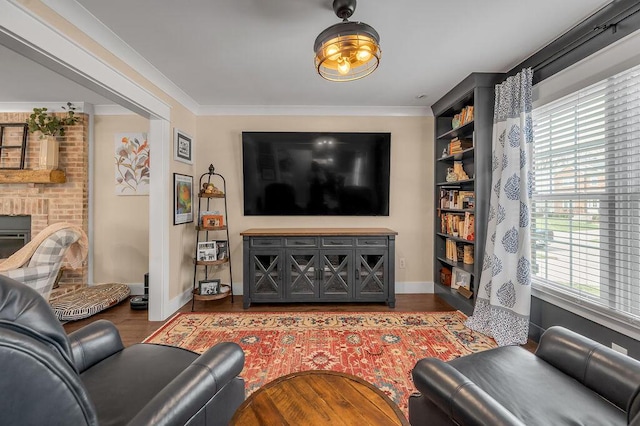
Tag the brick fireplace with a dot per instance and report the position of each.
(49, 203)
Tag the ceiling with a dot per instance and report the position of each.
(251, 53)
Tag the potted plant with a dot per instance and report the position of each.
(50, 126)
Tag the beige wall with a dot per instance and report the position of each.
(121, 223)
(218, 141)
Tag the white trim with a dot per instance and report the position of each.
(29, 106)
(76, 14)
(317, 110)
(24, 32)
(414, 287)
(111, 110)
(159, 220)
(180, 300)
(578, 307)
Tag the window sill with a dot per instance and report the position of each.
(628, 326)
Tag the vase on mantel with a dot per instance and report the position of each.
(49, 152)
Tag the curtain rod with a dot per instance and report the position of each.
(609, 24)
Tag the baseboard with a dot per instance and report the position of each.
(413, 287)
(179, 301)
(407, 287)
(136, 288)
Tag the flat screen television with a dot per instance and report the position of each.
(325, 174)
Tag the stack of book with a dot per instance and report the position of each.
(457, 145)
(465, 116)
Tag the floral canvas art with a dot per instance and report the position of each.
(132, 164)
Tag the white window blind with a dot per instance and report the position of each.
(586, 202)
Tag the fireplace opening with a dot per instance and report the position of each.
(15, 232)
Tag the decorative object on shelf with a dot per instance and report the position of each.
(182, 147)
(207, 251)
(182, 198)
(445, 276)
(131, 164)
(212, 221)
(209, 287)
(459, 171)
(460, 278)
(348, 50)
(445, 153)
(212, 253)
(467, 259)
(451, 175)
(49, 127)
(210, 189)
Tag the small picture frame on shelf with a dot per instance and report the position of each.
(212, 221)
(209, 287)
(207, 251)
(460, 278)
(221, 247)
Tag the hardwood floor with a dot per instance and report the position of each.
(134, 326)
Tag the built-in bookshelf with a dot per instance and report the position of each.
(463, 131)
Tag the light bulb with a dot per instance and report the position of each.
(331, 52)
(344, 67)
(364, 54)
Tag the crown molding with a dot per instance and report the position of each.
(319, 110)
(80, 17)
(29, 106)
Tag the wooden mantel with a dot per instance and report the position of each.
(32, 176)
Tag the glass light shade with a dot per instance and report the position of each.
(347, 51)
(49, 151)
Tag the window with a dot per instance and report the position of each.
(586, 202)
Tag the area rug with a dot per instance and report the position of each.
(380, 348)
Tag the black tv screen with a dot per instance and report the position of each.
(302, 173)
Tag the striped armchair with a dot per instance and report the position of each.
(41, 269)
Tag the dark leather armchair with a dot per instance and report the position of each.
(89, 378)
(569, 380)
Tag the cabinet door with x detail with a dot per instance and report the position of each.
(302, 274)
(336, 278)
(371, 274)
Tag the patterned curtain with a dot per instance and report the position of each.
(504, 294)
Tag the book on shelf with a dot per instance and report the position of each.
(457, 145)
(451, 250)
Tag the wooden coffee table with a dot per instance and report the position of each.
(318, 397)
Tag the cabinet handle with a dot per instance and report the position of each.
(357, 273)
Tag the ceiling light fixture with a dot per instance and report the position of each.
(348, 50)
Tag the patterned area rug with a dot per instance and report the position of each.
(380, 348)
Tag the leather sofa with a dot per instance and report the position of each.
(570, 380)
(89, 378)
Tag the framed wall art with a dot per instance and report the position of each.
(182, 199)
(182, 147)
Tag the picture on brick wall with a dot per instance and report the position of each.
(132, 164)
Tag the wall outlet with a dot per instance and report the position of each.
(403, 263)
(618, 348)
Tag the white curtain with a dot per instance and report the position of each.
(504, 294)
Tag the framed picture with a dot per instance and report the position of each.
(212, 221)
(182, 147)
(221, 249)
(460, 278)
(207, 251)
(209, 287)
(182, 199)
